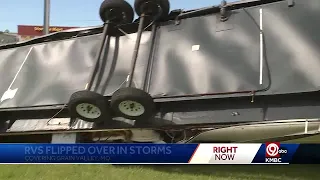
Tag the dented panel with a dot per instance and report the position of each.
(226, 58)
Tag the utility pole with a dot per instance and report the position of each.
(46, 17)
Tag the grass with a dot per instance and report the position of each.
(311, 139)
(160, 172)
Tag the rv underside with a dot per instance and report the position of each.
(232, 119)
(255, 72)
(281, 130)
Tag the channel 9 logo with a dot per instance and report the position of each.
(274, 152)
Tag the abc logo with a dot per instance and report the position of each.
(273, 150)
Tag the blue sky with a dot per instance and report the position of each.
(69, 12)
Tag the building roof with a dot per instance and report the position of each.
(8, 38)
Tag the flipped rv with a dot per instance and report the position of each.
(244, 71)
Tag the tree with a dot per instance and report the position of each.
(6, 31)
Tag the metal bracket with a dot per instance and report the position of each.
(223, 11)
(252, 96)
(290, 3)
(306, 126)
(177, 21)
(178, 12)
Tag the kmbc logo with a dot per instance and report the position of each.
(274, 152)
(272, 149)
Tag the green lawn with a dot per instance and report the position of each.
(160, 172)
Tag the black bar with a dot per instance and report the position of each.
(307, 154)
(136, 50)
(96, 66)
(147, 80)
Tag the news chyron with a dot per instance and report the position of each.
(274, 152)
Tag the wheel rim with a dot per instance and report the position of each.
(131, 108)
(88, 110)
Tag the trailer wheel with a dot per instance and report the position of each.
(116, 11)
(89, 106)
(152, 7)
(132, 103)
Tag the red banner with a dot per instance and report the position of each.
(28, 32)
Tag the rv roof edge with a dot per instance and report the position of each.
(96, 29)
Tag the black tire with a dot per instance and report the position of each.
(121, 10)
(92, 98)
(164, 5)
(135, 95)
